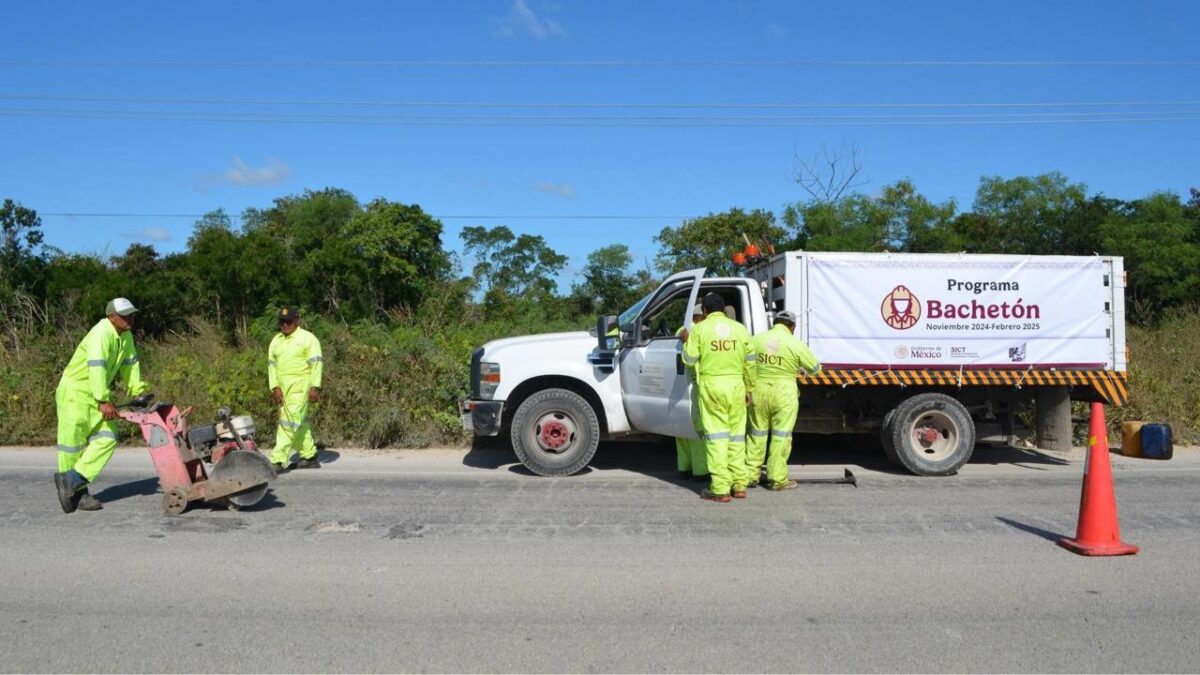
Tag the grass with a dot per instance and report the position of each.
(398, 383)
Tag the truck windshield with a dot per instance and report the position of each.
(625, 321)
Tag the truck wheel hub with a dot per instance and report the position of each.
(555, 432)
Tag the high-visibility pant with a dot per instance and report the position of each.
(85, 439)
(773, 409)
(723, 421)
(689, 453)
(293, 433)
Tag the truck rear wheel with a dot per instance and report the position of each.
(885, 437)
(555, 432)
(932, 434)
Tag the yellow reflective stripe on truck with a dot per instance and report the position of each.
(1112, 386)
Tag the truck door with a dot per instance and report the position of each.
(654, 385)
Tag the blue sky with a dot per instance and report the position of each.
(139, 107)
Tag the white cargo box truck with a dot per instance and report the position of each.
(934, 352)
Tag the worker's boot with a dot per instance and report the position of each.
(89, 503)
(708, 495)
(68, 499)
(788, 484)
(311, 463)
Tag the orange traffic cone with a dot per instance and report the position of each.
(1098, 532)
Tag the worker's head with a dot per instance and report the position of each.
(786, 319)
(289, 319)
(697, 312)
(712, 304)
(120, 312)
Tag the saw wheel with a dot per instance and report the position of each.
(243, 467)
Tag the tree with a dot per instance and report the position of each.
(710, 240)
(830, 173)
(512, 269)
(1028, 215)
(21, 232)
(1163, 263)
(400, 248)
(608, 285)
(897, 219)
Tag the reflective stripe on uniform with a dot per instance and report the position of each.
(759, 434)
(131, 360)
(70, 449)
(97, 363)
(290, 425)
(690, 360)
(315, 359)
(738, 439)
(752, 357)
(780, 433)
(720, 435)
(102, 434)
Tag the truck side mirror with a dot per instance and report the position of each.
(608, 333)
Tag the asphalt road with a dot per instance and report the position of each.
(452, 561)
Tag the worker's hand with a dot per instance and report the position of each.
(314, 395)
(108, 410)
(683, 335)
(277, 393)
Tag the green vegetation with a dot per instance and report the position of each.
(398, 317)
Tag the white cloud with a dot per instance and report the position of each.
(521, 20)
(158, 234)
(275, 171)
(561, 189)
(774, 30)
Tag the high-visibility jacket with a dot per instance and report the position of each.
(781, 355)
(104, 354)
(720, 346)
(294, 357)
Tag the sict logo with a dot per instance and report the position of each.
(901, 309)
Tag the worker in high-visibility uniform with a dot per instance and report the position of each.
(776, 400)
(294, 368)
(87, 426)
(719, 350)
(689, 453)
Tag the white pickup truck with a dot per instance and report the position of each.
(935, 352)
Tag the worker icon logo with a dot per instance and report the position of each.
(901, 309)
(722, 331)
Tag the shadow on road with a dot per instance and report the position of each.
(138, 488)
(811, 453)
(1044, 534)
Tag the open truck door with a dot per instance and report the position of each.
(654, 383)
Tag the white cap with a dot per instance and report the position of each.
(120, 307)
(698, 310)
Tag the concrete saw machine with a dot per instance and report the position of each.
(217, 463)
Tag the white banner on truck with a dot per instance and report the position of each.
(879, 311)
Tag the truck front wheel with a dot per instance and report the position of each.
(932, 434)
(555, 432)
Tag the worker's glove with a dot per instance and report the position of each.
(277, 394)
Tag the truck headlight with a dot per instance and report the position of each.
(489, 380)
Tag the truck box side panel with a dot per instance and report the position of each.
(922, 311)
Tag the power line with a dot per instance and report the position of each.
(591, 63)
(619, 121)
(584, 105)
